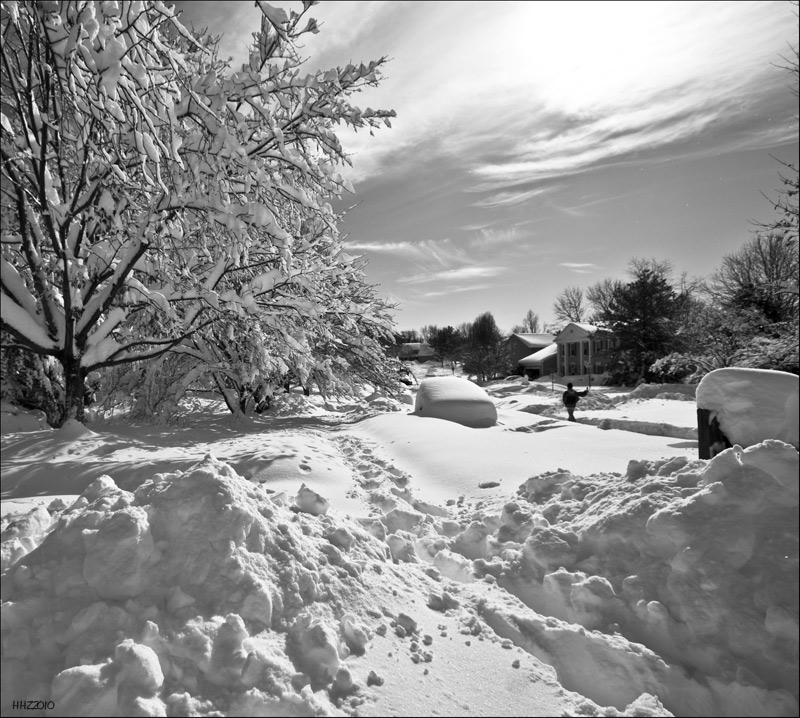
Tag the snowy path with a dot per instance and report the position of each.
(442, 468)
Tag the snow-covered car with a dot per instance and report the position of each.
(455, 399)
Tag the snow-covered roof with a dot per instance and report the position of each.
(416, 348)
(535, 340)
(540, 356)
(578, 328)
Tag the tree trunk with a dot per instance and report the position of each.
(74, 389)
(227, 394)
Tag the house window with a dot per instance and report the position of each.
(573, 349)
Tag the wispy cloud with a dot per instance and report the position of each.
(443, 252)
(633, 78)
(580, 267)
(456, 290)
(452, 275)
(511, 197)
(492, 237)
(572, 86)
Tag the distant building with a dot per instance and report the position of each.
(415, 351)
(523, 345)
(541, 363)
(583, 349)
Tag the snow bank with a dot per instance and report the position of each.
(752, 405)
(696, 560)
(195, 593)
(15, 419)
(656, 391)
(201, 594)
(480, 578)
(294, 404)
(455, 399)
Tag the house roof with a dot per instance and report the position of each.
(591, 328)
(581, 327)
(540, 356)
(416, 348)
(535, 340)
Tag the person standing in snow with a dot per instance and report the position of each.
(570, 398)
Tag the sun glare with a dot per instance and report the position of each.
(583, 57)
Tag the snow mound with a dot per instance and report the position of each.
(72, 430)
(196, 593)
(15, 419)
(654, 391)
(752, 405)
(294, 404)
(455, 399)
(696, 560)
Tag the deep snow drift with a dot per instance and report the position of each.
(361, 560)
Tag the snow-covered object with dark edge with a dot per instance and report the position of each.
(455, 399)
(752, 405)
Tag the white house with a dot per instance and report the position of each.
(583, 349)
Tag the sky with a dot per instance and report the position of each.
(543, 145)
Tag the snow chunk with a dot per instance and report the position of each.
(117, 554)
(455, 399)
(22, 534)
(312, 647)
(752, 405)
(355, 635)
(310, 502)
(126, 686)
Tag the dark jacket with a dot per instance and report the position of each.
(570, 396)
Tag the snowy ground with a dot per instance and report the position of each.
(359, 560)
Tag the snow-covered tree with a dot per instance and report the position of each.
(151, 195)
(645, 316)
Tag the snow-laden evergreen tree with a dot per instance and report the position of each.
(155, 199)
(485, 350)
(645, 316)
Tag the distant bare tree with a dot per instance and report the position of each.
(428, 331)
(530, 324)
(600, 295)
(786, 205)
(760, 276)
(406, 335)
(569, 306)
